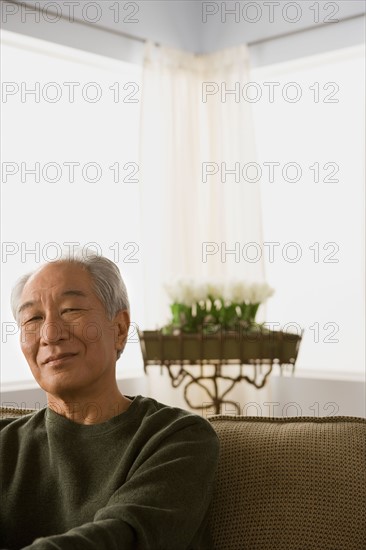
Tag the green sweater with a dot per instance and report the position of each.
(140, 480)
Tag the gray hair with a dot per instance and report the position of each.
(108, 284)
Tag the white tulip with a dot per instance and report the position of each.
(184, 292)
(237, 292)
(214, 289)
(188, 293)
(199, 292)
(259, 293)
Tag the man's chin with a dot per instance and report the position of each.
(63, 390)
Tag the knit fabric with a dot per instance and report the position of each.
(290, 484)
(139, 481)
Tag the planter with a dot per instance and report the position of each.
(244, 347)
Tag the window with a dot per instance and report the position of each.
(70, 175)
(69, 172)
(313, 202)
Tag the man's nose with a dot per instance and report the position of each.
(54, 329)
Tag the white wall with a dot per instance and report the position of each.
(283, 396)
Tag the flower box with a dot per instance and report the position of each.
(237, 346)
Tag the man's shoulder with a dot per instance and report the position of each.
(161, 416)
(161, 432)
(150, 407)
(20, 419)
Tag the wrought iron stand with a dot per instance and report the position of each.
(188, 372)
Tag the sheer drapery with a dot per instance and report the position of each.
(190, 129)
(198, 214)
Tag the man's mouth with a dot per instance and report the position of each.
(58, 358)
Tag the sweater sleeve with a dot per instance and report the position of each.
(162, 504)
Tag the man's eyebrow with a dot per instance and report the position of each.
(29, 304)
(25, 306)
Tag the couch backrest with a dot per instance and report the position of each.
(290, 484)
(12, 412)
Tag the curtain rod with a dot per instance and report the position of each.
(144, 40)
(290, 33)
(87, 23)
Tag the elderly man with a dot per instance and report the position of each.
(95, 469)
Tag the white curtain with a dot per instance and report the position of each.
(181, 129)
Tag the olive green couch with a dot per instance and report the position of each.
(290, 484)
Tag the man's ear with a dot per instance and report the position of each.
(122, 323)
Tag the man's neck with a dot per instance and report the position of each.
(90, 411)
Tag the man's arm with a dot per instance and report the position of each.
(162, 504)
(109, 534)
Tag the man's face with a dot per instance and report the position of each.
(68, 341)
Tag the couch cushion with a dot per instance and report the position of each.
(290, 484)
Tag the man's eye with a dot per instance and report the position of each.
(32, 319)
(70, 309)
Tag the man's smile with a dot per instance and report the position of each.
(54, 360)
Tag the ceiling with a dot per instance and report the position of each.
(200, 26)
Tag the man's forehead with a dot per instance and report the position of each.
(62, 278)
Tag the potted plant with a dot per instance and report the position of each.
(215, 324)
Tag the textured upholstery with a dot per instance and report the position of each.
(290, 484)
(287, 483)
(10, 412)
